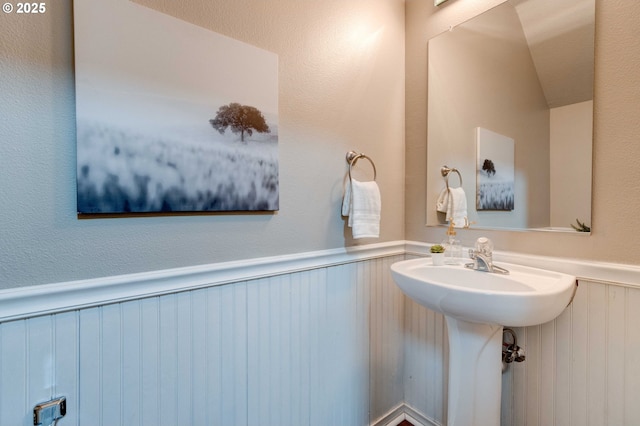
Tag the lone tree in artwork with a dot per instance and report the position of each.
(489, 168)
(241, 118)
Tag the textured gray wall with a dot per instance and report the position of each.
(341, 76)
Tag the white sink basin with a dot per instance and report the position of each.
(476, 306)
(527, 296)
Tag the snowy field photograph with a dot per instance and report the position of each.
(495, 171)
(171, 117)
(121, 171)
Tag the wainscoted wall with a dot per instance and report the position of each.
(311, 344)
(322, 338)
(426, 355)
(584, 367)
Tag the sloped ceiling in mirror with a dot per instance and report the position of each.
(553, 40)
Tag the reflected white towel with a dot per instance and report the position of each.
(442, 205)
(457, 208)
(346, 200)
(362, 203)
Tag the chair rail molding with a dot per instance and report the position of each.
(25, 302)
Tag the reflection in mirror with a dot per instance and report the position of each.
(522, 71)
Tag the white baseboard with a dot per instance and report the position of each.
(417, 418)
(404, 412)
(392, 418)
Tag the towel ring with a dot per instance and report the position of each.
(352, 159)
(446, 170)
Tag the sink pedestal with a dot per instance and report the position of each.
(475, 373)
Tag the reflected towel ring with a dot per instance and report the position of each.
(352, 159)
(446, 170)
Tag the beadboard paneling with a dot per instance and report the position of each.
(387, 317)
(317, 340)
(314, 347)
(426, 361)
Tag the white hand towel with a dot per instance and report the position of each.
(457, 208)
(362, 204)
(442, 205)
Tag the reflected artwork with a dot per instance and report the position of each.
(495, 171)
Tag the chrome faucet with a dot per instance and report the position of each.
(482, 257)
(481, 262)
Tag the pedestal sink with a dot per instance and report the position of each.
(476, 306)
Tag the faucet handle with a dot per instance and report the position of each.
(484, 246)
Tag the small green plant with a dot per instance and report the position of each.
(437, 249)
(582, 227)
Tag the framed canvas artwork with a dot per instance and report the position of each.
(171, 117)
(495, 171)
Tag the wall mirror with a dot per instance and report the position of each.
(520, 72)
